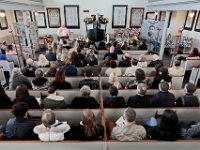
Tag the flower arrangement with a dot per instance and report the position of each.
(93, 18)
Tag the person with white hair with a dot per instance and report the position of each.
(51, 129)
(126, 128)
(142, 61)
(155, 60)
(18, 78)
(85, 100)
(140, 100)
(29, 70)
(40, 80)
(42, 61)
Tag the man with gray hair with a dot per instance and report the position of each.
(126, 129)
(30, 68)
(140, 100)
(39, 81)
(85, 100)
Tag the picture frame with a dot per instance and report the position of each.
(197, 25)
(151, 16)
(40, 19)
(189, 21)
(136, 17)
(3, 22)
(21, 15)
(162, 15)
(53, 15)
(119, 16)
(72, 16)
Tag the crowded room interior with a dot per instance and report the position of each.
(104, 75)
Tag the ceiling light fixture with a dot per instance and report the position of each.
(191, 14)
(2, 14)
(156, 13)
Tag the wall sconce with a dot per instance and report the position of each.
(191, 14)
(36, 13)
(156, 13)
(2, 14)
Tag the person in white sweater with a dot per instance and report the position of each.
(51, 129)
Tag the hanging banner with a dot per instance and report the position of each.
(34, 37)
(152, 31)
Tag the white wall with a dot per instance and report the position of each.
(103, 6)
(178, 20)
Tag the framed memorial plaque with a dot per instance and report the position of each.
(119, 16)
(40, 19)
(3, 22)
(136, 17)
(53, 15)
(189, 20)
(197, 25)
(72, 16)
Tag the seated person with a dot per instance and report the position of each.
(142, 61)
(3, 56)
(51, 72)
(10, 50)
(118, 49)
(42, 61)
(143, 46)
(114, 101)
(140, 78)
(155, 60)
(59, 62)
(69, 68)
(51, 56)
(163, 98)
(188, 100)
(51, 129)
(60, 82)
(93, 84)
(193, 55)
(126, 129)
(22, 95)
(130, 71)
(20, 127)
(96, 69)
(5, 102)
(133, 45)
(88, 129)
(168, 128)
(111, 53)
(176, 70)
(163, 76)
(85, 100)
(75, 59)
(18, 78)
(81, 56)
(113, 68)
(140, 100)
(113, 81)
(29, 70)
(53, 101)
(39, 81)
(126, 62)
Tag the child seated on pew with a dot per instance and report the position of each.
(51, 129)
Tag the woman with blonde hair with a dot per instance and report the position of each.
(88, 128)
(51, 129)
(113, 80)
(42, 61)
(142, 61)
